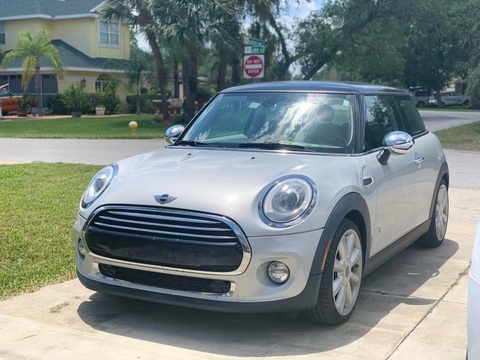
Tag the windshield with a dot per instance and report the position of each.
(287, 121)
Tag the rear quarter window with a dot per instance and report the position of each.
(414, 124)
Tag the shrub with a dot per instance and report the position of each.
(108, 98)
(56, 105)
(76, 99)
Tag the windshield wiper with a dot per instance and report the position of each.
(272, 146)
(191, 143)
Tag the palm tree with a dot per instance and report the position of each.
(138, 13)
(139, 64)
(33, 49)
(194, 25)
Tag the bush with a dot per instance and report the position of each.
(56, 105)
(108, 98)
(76, 99)
(147, 106)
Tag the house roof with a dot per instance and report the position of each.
(71, 57)
(25, 9)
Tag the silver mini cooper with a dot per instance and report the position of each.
(276, 197)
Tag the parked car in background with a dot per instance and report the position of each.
(276, 197)
(473, 307)
(450, 98)
(420, 96)
(13, 103)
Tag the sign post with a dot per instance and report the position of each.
(254, 60)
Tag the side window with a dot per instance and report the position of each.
(2, 32)
(413, 121)
(382, 116)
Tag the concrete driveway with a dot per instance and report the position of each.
(413, 307)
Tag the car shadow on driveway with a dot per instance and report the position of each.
(393, 300)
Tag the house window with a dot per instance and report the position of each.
(101, 82)
(2, 32)
(109, 33)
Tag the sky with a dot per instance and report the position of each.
(295, 11)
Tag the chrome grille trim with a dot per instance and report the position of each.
(106, 279)
(205, 218)
(164, 232)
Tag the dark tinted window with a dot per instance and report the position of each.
(383, 116)
(413, 121)
(2, 32)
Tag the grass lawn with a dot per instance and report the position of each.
(464, 137)
(108, 127)
(38, 203)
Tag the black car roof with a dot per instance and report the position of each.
(315, 86)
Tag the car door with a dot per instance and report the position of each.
(390, 212)
(422, 165)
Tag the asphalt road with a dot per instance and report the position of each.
(463, 164)
(438, 120)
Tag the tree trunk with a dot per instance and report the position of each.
(192, 80)
(160, 67)
(236, 72)
(38, 90)
(222, 72)
(176, 83)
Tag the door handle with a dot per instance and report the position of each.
(367, 181)
(419, 160)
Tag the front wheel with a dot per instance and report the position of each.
(341, 277)
(438, 226)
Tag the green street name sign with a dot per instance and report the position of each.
(254, 50)
(253, 42)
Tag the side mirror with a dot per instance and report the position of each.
(173, 132)
(397, 142)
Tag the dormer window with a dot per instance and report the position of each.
(109, 33)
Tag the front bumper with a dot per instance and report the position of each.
(251, 290)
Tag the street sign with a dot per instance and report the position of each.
(254, 50)
(253, 42)
(253, 66)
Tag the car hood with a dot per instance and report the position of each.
(224, 182)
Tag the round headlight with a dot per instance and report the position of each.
(287, 201)
(98, 184)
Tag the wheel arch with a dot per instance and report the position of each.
(443, 174)
(353, 207)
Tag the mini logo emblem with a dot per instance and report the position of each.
(164, 199)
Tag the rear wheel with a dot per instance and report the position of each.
(341, 277)
(466, 103)
(438, 226)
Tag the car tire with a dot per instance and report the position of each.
(341, 278)
(438, 227)
(420, 104)
(466, 104)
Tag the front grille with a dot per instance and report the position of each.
(166, 281)
(166, 237)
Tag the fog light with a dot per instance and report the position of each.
(278, 272)
(82, 251)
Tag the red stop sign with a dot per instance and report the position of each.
(253, 66)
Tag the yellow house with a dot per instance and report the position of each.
(85, 42)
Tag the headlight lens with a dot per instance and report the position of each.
(287, 201)
(98, 184)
